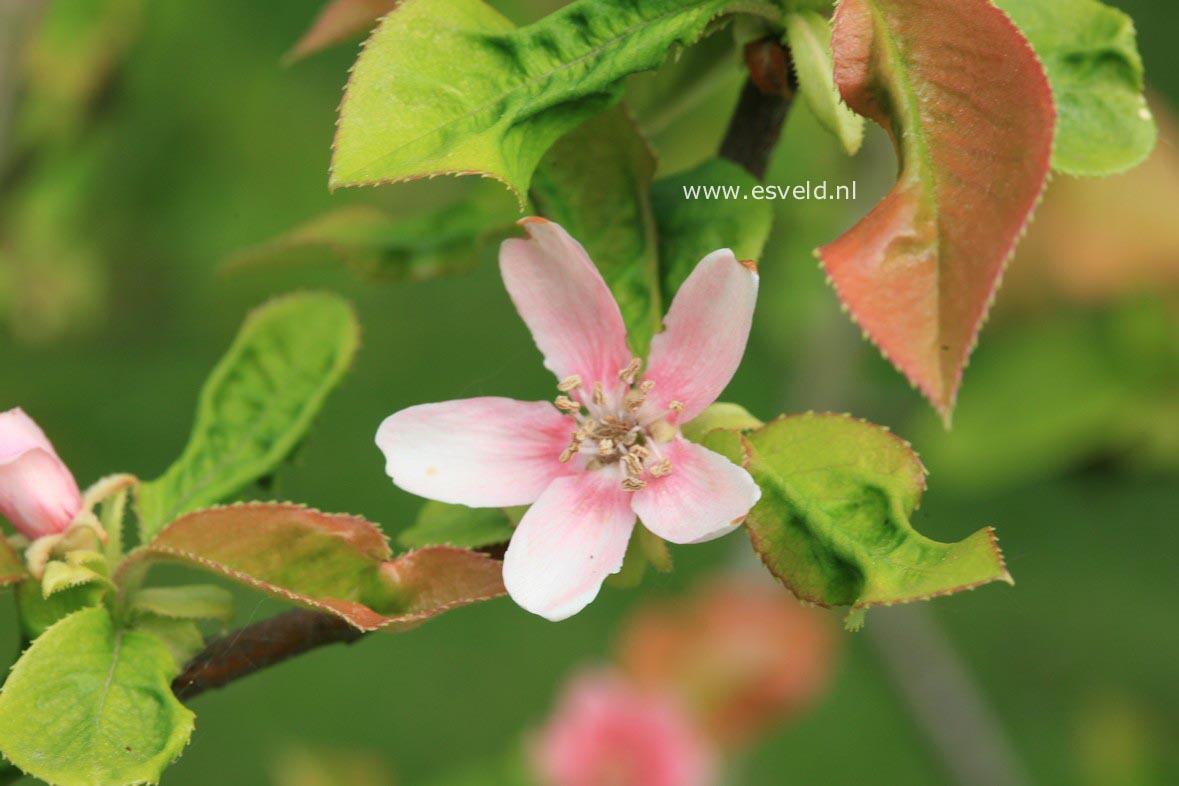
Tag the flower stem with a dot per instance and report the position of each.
(761, 112)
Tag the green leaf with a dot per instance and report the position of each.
(833, 521)
(596, 183)
(1090, 52)
(809, 37)
(194, 601)
(336, 563)
(183, 638)
(60, 576)
(91, 705)
(973, 136)
(452, 87)
(258, 404)
(690, 229)
(720, 415)
(440, 524)
(38, 613)
(378, 246)
(12, 567)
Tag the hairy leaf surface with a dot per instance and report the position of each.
(970, 113)
(91, 704)
(335, 563)
(257, 405)
(452, 87)
(1090, 52)
(833, 523)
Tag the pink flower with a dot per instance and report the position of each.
(608, 733)
(610, 451)
(37, 492)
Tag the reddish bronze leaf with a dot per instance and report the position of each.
(335, 563)
(970, 113)
(338, 21)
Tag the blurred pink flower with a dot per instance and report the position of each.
(606, 732)
(37, 492)
(610, 451)
(743, 655)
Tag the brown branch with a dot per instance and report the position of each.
(761, 111)
(259, 646)
(753, 132)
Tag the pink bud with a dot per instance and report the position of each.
(37, 492)
(607, 732)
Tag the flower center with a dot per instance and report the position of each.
(618, 430)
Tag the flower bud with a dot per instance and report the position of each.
(38, 493)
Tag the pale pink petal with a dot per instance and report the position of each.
(565, 303)
(704, 497)
(707, 328)
(19, 434)
(38, 494)
(607, 732)
(480, 452)
(568, 543)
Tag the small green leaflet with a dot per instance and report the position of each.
(257, 405)
(452, 87)
(808, 35)
(1090, 52)
(690, 229)
(440, 524)
(91, 705)
(833, 521)
(191, 602)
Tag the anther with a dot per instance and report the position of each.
(633, 401)
(567, 454)
(647, 386)
(599, 397)
(567, 404)
(641, 452)
(661, 468)
(631, 371)
(606, 447)
(569, 383)
(678, 406)
(633, 484)
(634, 467)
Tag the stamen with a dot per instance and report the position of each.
(568, 453)
(661, 468)
(599, 397)
(567, 404)
(631, 371)
(647, 386)
(633, 401)
(678, 406)
(606, 447)
(632, 484)
(634, 466)
(641, 452)
(569, 383)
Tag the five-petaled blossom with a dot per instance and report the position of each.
(38, 493)
(610, 451)
(607, 732)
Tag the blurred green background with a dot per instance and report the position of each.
(146, 142)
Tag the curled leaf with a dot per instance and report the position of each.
(971, 115)
(833, 520)
(335, 563)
